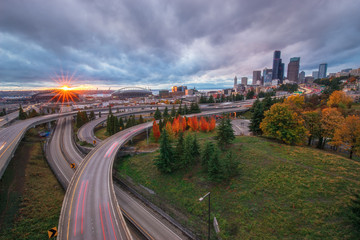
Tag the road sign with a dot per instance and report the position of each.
(72, 165)
(94, 142)
(52, 232)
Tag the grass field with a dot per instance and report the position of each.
(101, 133)
(282, 192)
(32, 195)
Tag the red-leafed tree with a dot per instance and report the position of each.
(204, 125)
(212, 124)
(156, 130)
(176, 125)
(193, 123)
(183, 123)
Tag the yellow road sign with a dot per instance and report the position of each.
(94, 142)
(52, 232)
(72, 165)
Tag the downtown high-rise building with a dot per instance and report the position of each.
(302, 77)
(278, 67)
(293, 69)
(256, 77)
(322, 70)
(235, 82)
(315, 74)
(244, 80)
(267, 73)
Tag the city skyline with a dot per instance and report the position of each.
(202, 44)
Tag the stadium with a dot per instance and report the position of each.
(131, 92)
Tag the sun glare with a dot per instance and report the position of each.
(65, 92)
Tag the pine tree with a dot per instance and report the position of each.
(22, 114)
(79, 122)
(188, 158)
(215, 172)
(121, 124)
(108, 125)
(225, 132)
(179, 111)
(179, 150)
(257, 117)
(165, 161)
(92, 116)
(141, 119)
(157, 114)
(99, 114)
(110, 112)
(207, 154)
(166, 113)
(230, 166)
(195, 148)
(116, 125)
(211, 99)
(173, 111)
(186, 110)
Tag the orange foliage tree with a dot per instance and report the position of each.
(347, 135)
(204, 125)
(212, 124)
(176, 125)
(193, 123)
(169, 130)
(339, 99)
(331, 120)
(156, 130)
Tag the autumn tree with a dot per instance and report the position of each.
(295, 102)
(156, 131)
(169, 130)
(348, 135)
(212, 124)
(331, 120)
(204, 125)
(284, 124)
(339, 99)
(313, 124)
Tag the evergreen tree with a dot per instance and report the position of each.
(92, 116)
(250, 94)
(225, 132)
(211, 99)
(257, 117)
(157, 114)
(230, 166)
(133, 120)
(173, 111)
(166, 113)
(188, 158)
(108, 125)
(179, 111)
(99, 114)
(78, 120)
(186, 110)
(4, 111)
(165, 161)
(215, 172)
(110, 112)
(116, 124)
(141, 119)
(22, 114)
(179, 150)
(195, 148)
(121, 124)
(207, 154)
(161, 125)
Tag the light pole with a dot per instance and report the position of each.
(200, 199)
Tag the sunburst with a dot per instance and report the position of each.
(65, 92)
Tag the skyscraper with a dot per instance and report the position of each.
(244, 80)
(322, 70)
(235, 82)
(293, 69)
(315, 74)
(278, 67)
(256, 77)
(302, 77)
(267, 73)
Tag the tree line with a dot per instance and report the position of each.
(186, 152)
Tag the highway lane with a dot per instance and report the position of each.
(95, 174)
(150, 225)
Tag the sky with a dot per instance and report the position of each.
(158, 44)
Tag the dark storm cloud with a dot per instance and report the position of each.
(160, 43)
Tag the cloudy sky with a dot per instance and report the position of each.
(202, 43)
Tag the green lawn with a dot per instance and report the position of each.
(101, 133)
(33, 197)
(283, 192)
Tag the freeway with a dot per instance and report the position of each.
(61, 152)
(93, 186)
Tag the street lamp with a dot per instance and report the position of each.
(200, 199)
